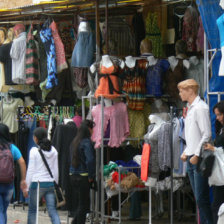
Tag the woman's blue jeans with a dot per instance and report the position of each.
(6, 191)
(48, 194)
(200, 189)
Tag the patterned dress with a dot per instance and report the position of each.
(48, 41)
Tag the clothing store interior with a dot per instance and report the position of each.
(118, 63)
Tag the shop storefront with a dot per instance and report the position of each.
(118, 63)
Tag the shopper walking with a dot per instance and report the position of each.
(197, 131)
(82, 170)
(8, 154)
(37, 172)
(218, 191)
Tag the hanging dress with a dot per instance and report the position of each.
(48, 41)
(59, 48)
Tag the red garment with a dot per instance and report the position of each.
(42, 124)
(145, 161)
(59, 48)
(115, 177)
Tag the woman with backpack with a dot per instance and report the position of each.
(8, 154)
(37, 172)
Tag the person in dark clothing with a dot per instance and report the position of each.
(218, 191)
(82, 170)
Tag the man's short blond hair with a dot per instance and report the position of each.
(189, 84)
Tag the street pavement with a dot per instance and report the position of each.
(19, 215)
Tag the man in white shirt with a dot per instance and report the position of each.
(18, 54)
(197, 131)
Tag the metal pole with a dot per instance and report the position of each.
(102, 155)
(119, 209)
(206, 67)
(106, 21)
(38, 191)
(171, 167)
(97, 30)
(150, 205)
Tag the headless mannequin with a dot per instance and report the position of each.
(152, 137)
(130, 61)
(106, 62)
(84, 27)
(152, 60)
(158, 121)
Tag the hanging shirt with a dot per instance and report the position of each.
(6, 59)
(32, 71)
(18, 55)
(59, 48)
(10, 113)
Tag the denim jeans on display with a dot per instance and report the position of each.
(50, 199)
(82, 55)
(81, 193)
(200, 189)
(6, 191)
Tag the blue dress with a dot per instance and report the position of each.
(48, 41)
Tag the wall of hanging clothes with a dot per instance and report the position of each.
(61, 131)
(37, 58)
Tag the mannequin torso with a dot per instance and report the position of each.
(130, 61)
(84, 27)
(152, 60)
(106, 61)
(157, 121)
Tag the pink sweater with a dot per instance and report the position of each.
(119, 125)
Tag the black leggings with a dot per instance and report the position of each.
(81, 194)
